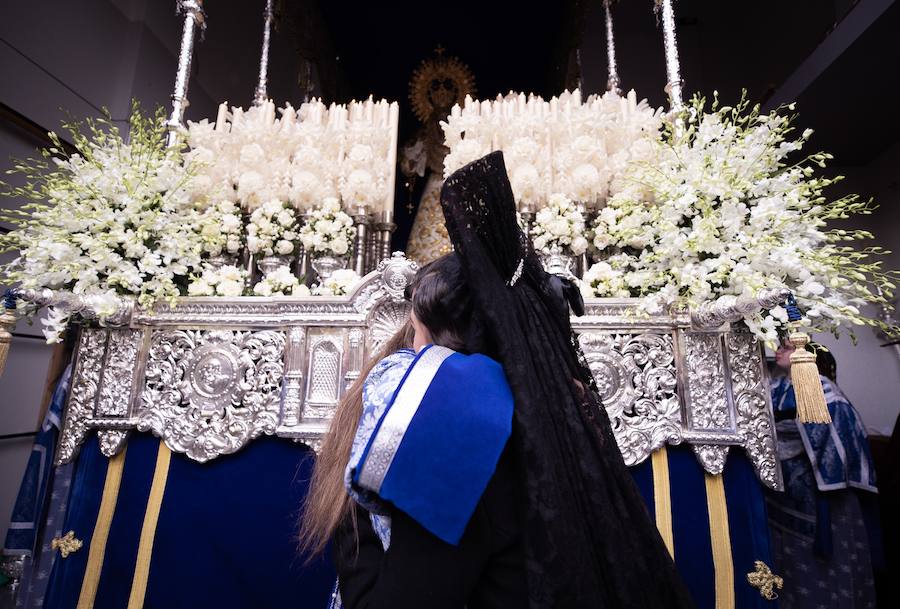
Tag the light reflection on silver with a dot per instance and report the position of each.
(211, 374)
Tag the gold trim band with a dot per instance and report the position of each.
(720, 539)
(148, 530)
(662, 497)
(101, 531)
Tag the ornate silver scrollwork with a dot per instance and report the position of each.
(729, 309)
(387, 318)
(637, 381)
(83, 394)
(326, 354)
(210, 374)
(396, 273)
(85, 306)
(753, 403)
(208, 392)
(119, 370)
(112, 441)
(293, 378)
(707, 405)
(711, 456)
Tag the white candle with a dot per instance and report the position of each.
(222, 116)
(288, 117)
(394, 122)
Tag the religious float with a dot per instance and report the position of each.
(263, 280)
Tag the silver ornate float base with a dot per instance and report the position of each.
(211, 374)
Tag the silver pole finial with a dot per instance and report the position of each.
(612, 81)
(194, 17)
(261, 95)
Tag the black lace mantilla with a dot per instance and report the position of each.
(590, 542)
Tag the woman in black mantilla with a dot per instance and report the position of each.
(545, 513)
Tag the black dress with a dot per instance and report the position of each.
(419, 571)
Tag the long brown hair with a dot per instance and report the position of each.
(327, 501)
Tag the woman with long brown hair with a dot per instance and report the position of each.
(483, 470)
(328, 503)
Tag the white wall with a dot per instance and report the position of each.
(868, 373)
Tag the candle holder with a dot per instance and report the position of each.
(373, 249)
(361, 221)
(303, 260)
(385, 230)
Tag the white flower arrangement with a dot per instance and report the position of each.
(328, 230)
(220, 229)
(715, 208)
(339, 283)
(272, 229)
(280, 282)
(115, 217)
(559, 225)
(227, 280)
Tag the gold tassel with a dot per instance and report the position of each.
(8, 321)
(811, 406)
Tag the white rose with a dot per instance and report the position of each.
(230, 223)
(263, 288)
(579, 245)
(199, 288)
(233, 246)
(230, 288)
(230, 273)
(285, 218)
(301, 290)
(284, 247)
(339, 247)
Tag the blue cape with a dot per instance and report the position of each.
(435, 445)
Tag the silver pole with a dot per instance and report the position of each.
(193, 17)
(261, 95)
(673, 67)
(612, 81)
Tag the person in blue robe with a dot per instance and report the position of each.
(823, 526)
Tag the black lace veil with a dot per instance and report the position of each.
(589, 539)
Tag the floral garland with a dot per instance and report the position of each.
(328, 230)
(114, 217)
(715, 207)
(272, 229)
